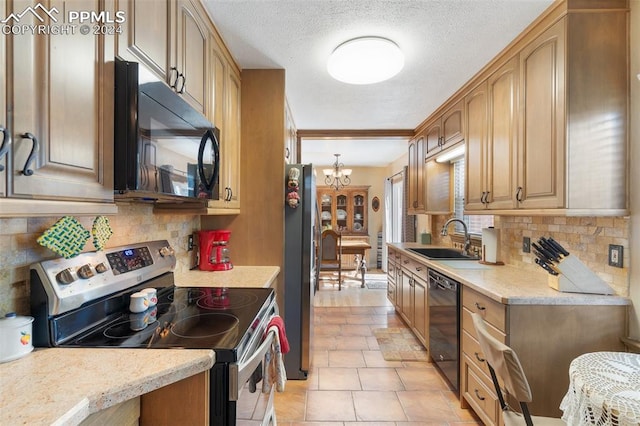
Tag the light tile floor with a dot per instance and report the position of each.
(350, 383)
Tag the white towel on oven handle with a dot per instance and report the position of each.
(273, 372)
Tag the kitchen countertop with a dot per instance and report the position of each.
(63, 386)
(239, 276)
(508, 284)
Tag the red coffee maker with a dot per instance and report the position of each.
(214, 252)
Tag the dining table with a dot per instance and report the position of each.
(604, 389)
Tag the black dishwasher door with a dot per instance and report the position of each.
(444, 327)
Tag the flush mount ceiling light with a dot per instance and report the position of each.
(365, 60)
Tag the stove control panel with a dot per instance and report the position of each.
(130, 259)
(69, 283)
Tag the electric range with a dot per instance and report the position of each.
(84, 302)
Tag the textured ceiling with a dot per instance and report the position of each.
(445, 43)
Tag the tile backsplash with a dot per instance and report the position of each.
(587, 238)
(133, 223)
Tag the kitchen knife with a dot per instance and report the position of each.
(550, 248)
(548, 255)
(558, 246)
(546, 267)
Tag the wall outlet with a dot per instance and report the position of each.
(526, 245)
(615, 255)
(190, 243)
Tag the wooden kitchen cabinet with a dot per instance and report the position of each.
(226, 88)
(415, 179)
(546, 339)
(393, 258)
(394, 277)
(491, 137)
(345, 210)
(413, 306)
(146, 34)
(428, 182)
(291, 137)
(58, 103)
(541, 115)
(445, 131)
(192, 37)
(171, 38)
(574, 88)
(221, 85)
(184, 402)
(542, 161)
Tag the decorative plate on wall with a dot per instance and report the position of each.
(375, 204)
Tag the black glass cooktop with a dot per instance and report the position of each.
(185, 317)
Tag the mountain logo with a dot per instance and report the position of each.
(38, 11)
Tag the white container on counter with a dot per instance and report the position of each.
(15, 336)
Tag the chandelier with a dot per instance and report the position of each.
(338, 177)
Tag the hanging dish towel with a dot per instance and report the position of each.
(278, 322)
(274, 373)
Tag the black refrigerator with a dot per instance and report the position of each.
(300, 263)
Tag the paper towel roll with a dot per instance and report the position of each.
(490, 245)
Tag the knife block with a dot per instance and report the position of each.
(576, 277)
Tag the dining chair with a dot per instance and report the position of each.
(331, 253)
(503, 362)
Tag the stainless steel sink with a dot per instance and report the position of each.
(440, 253)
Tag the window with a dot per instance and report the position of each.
(474, 223)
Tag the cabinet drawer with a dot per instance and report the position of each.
(471, 348)
(391, 271)
(395, 255)
(415, 268)
(467, 325)
(493, 312)
(482, 399)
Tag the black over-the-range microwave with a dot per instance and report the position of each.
(164, 149)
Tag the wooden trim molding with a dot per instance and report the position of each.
(355, 134)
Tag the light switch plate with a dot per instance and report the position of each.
(526, 245)
(615, 255)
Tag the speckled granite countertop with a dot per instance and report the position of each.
(63, 386)
(239, 276)
(507, 284)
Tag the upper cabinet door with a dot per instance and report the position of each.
(476, 114)
(432, 138)
(416, 175)
(502, 143)
(60, 109)
(542, 144)
(192, 38)
(452, 125)
(145, 35)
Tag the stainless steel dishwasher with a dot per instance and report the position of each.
(444, 327)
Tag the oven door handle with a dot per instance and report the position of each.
(239, 374)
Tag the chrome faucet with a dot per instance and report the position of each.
(467, 238)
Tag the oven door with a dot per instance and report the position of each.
(229, 380)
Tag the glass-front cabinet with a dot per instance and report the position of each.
(344, 211)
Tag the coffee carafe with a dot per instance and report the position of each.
(214, 250)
